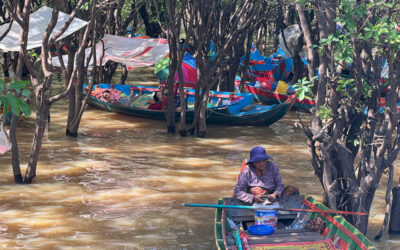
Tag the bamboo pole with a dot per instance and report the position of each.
(276, 209)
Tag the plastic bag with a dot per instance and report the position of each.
(5, 144)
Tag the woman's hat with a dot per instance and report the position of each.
(258, 154)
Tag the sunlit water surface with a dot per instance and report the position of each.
(120, 184)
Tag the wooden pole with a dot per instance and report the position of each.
(394, 225)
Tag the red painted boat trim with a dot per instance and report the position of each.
(336, 223)
(328, 241)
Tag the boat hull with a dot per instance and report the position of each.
(338, 234)
(244, 112)
(268, 97)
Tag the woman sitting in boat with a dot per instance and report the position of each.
(260, 179)
(156, 103)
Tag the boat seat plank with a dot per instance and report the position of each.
(292, 201)
(283, 236)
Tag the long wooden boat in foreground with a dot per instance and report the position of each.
(291, 232)
(223, 107)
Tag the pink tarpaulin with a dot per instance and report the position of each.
(132, 52)
(5, 144)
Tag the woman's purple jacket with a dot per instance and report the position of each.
(270, 181)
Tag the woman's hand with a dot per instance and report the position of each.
(272, 197)
(258, 198)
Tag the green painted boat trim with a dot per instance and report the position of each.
(335, 231)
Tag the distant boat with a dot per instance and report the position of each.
(291, 231)
(223, 107)
(269, 97)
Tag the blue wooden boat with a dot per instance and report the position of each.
(223, 107)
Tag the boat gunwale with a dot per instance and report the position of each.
(265, 117)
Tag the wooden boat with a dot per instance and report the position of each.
(269, 97)
(290, 232)
(223, 107)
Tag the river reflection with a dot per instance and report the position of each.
(120, 185)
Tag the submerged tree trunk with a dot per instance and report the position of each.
(171, 99)
(124, 75)
(14, 150)
(80, 70)
(42, 89)
(42, 113)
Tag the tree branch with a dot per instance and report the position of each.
(387, 199)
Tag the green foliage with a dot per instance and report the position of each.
(381, 34)
(345, 85)
(325, 113)
(303, 88)
(85, 6)
(305, 3)
(13, 96)
(367, 90)
(33, 54)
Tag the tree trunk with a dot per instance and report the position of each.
(173, 64)
(4, 64)
(14, 150)
(153, 29)
(124, 74)
(42, 113)
(108, 72)
(14, 61)
(202, 128)
(308, 38)
(230, 71)
(71, 112)
(246, 62)
(298, 66)
(394, 225)
(182, 122)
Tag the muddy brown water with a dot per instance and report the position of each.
(120, 184)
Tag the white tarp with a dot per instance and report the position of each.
(38, 22)
(132, 52)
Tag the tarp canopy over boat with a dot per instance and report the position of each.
(38, 22)
(132, 52)
(189, 70)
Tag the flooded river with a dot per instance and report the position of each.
(121, 183)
